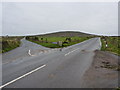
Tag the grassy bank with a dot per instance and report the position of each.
(113, 44)
(9, 43)
(53, 42)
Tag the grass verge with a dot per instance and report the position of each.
(9, 43)
(113, 44)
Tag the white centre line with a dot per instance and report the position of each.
(22, 76)
(71, 52)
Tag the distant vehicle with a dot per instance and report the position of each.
(54, 43)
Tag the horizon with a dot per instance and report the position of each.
(58, 32)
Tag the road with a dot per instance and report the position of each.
(34, 66)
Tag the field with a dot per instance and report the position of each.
(9, 43)
(53, 42)
(113, 44)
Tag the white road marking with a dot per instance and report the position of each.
(71, 52)
(30, 53)
(22, 76)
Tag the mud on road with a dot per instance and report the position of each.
(103, 72)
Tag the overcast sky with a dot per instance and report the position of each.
(24, 18)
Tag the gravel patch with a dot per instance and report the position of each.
(103, 72)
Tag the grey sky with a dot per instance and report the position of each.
(20, 18)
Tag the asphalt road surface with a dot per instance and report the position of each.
(34, 66)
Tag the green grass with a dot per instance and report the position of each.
(47, 41)
(9, 43)
(50, 45)
(113, 44)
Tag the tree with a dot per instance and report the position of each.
(27, 37)
(42, 39)
(35, 38)
(68, 39)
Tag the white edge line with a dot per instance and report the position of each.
(100, 43)
(22, 76)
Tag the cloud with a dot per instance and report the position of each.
(36, 18)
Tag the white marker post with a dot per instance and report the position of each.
(106, 45)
